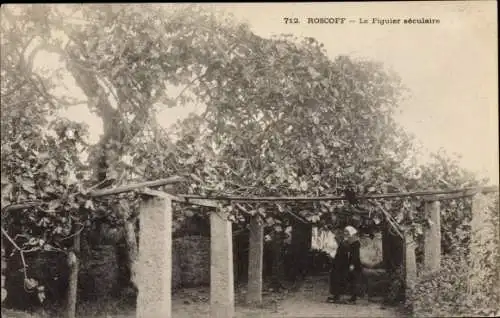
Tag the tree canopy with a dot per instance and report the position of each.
(281, 117)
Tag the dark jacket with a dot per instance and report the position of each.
(347, 254)
(340, 276)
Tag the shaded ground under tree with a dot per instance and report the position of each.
(307, 301)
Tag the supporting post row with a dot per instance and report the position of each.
(255, 260)
(154, 272)
(410, 262)
(221, 266)
(432, 237)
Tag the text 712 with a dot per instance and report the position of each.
(291, 20)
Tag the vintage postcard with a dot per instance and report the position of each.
(300, 159)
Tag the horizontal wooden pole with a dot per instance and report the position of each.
(166, 195)
(391, 221)
(460, 194)
(20, 206)
(467, 191)
(429, 195)
(202, 202)
(132, 187)
(160, 194)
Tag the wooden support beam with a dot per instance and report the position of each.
(462, 192)
(201, 202)
(255, 260)
(221, 266)
(432, 238)
(21, 206)
(172, 197)
(135, 186)
(160, 194)
(429, 195)
(154, 274)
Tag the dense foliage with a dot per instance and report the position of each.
(468, 282)
(281, 118)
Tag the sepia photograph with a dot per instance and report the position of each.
(220, 160)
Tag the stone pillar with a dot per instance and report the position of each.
(484, 272)
(221, 266)
(410, 261)
(255, 267)
(432, 239)
(154, 276)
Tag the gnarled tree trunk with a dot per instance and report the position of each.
(133, 252)
(118, 130)
(73, 264)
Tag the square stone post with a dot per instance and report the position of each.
(410, 261)
(221, 266)
(154, 276)
(255, 259)
(483, 247)
(432, 237)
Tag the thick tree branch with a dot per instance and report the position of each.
(95, 93)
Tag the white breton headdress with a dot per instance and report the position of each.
(351, 230)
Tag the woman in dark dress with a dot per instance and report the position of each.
(346, 266)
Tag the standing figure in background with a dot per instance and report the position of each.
(346, 268)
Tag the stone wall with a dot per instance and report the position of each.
(371, 250)
(98, 275)
(191, 258)
(47, 268)
(191, 261)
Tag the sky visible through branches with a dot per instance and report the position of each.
(450, 68)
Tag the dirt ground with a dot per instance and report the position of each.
(309, 300)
